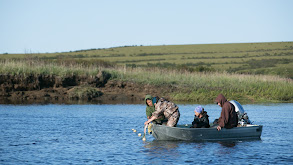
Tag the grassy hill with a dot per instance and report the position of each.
(181, 72)
(253, 58)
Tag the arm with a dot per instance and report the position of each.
(224, 118)
(195, 120)
(206, 123)
(156, 114)
(150, 120)
(160, 117)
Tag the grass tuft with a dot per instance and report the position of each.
(188, 86)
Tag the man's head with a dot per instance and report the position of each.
(220, 100)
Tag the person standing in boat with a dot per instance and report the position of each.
(201, 119)
(168, 109)
(228, 118)
(150, 108)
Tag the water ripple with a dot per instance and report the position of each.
(101, 134)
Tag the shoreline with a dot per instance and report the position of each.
(248, 73)
(99, 89)
(45, 89)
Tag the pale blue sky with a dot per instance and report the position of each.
(40, 26)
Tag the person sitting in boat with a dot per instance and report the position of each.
(166, 108)
(201, 119)
(150, 108)
(228, 118)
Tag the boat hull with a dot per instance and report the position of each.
(162, 132)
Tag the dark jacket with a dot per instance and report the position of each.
(228, 118)
(202, 122)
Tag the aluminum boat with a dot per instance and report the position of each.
(184, 132)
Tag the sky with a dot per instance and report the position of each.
(47, 26)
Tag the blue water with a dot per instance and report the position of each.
(101, 134)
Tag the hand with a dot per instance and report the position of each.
(219, 128)
(150, 120)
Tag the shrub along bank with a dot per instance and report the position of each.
(87, 81)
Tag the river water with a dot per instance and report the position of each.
(101, 134)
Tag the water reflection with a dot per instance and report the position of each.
(161, 145)
(162, 150)
(177, 150)
(156, 144)
(171, 148)
(231, 144)
(228, 144)
(91, 134)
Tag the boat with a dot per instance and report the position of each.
(244, 131)
(185, 133)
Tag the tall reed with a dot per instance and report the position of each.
(40, 67)
(206, 86)
(189, 86)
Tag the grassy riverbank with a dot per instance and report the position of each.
(185, 85)
(44, 67)
(274, 58)
(206, 86)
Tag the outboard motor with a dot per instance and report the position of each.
(242, 116)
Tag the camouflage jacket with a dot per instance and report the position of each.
(165, 107)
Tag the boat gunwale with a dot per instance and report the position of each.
(164, 126)
(205, 130)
